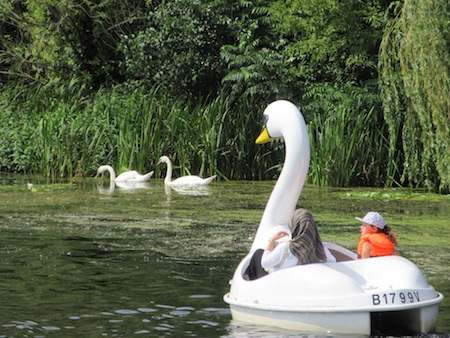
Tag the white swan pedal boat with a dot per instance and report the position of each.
(382, 295)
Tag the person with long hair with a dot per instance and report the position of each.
(377, 238)
(302, 246)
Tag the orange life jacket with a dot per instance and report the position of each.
(381, 245)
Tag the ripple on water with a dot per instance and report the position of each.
(142, 332)
(199, 296)
(51, 328)
(164, 327)
(219, 310)
(180, 313)
(204, 323)
(146, 310)
(126, 312)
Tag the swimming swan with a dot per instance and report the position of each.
(128, 176)
(190, 180)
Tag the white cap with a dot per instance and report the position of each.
(373, 218)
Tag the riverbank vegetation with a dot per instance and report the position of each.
(85, 83)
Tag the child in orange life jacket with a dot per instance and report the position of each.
(377, 238)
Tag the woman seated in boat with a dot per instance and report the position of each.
(376, 238)
(303, 246)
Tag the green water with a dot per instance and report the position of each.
(82, 260)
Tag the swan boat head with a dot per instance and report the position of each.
(284, 120)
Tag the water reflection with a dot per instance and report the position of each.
(201, 190)
(239, 330)
(126, 186)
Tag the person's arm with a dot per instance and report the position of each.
(273, 254)
(366, 250)
(271, 245)
(272, 240)
(272, 258)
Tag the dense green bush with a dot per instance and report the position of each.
(179, 49)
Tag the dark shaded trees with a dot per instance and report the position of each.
(54, 40)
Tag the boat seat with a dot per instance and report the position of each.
(341, 254)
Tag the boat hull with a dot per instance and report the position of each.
(340, 321)
(325, 323)
(384, 295)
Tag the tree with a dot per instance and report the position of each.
(255, 61)
(297, 48)
(179, 49)
(414, 67)
(53, 40)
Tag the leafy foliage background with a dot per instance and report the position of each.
(370, 77)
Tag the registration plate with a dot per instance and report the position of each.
(395, 298)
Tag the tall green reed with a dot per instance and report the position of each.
(347, 148)
(73, 133)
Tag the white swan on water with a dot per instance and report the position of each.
(128, 176)
(190, 180)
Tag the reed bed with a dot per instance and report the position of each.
(68, 133)
(344, 150)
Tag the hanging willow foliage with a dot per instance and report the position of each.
(414, 71)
